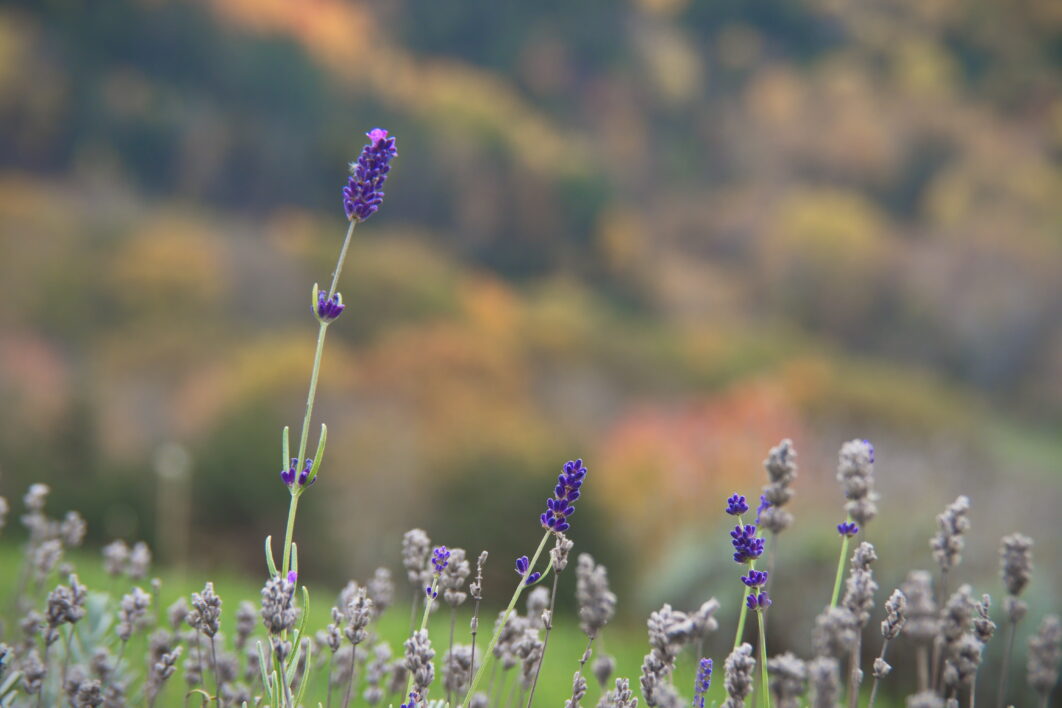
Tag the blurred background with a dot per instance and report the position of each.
(657, 234)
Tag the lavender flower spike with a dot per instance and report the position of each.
(363, 194)
(440, 558)
(848, 528)
(328, 308)
(703, 683)
(292, 473)
(736, 505)
(562, 504)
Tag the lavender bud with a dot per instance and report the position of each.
(72, 529)
(416, 547)
(139, 561)
(363, 194)
(895, 615)
(177, 613)
(419, 655)
(33, 671)
(440, 557)
(860, 586)
(246, 618)
(476, 587)
(453, 578)
(620, 697)
(278, 613)
(359, 614)
(736, 505)
(603, 667)
(36, 497)
(562, 546)
(881, 668)
(788, 679)
(562, 504)
(702, 683)
(925, 699)
(131, 613)
(983, 625)
(115, 558)
(328, 309)
(205, 615)
(848, 528)
(457, 669)
(782, 471)
(381, 590)
(948, 542)
(922, 618)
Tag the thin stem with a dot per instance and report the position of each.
(428, 600)
(475, 629)
(874, 686)
(217, 677)
(582, 663)
(505, 618)
(66, 658)
(764, 678)
(350, 686)
(450, 654)
(342, 258)
(1011, 628)
(328, 679)
(923, 668)
(545, 641)
(854, 674)
(840, 567)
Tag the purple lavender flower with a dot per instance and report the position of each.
(561, 505)
(746, 544)
(431, 593)
(363, 194)
(328, 309)
(848, 528)
(758, 602)
(764, 506)
(870, 449)
(440, 558)
(293, 577)
(736, 505)
(413, 697)
(703, 683)
(289, 475)
(522, 564)
(755, 578)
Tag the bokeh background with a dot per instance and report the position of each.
(657, 234)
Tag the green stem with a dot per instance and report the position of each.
(424, 624)
(505, 618)
(766, 686)
(840, 568)
(744, 610)
(310, 396)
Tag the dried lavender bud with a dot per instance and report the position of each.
(562, 504)
(418, 660)
(529, 650)
(246, 618)
(1015, 562)
(45, 557)
(453, 578)
(205, 614)
(416, 547)
(597, 604)
(457, 669)
(956, 615)
(923, 622)
(479, 700)
(702, 621)
(738, 677)
(895, 615)
(381, 590)
(781, 471)
(281, 648)
(537, 603)
(562, 546)
(476, 587)
(139, 561)
(178, 613)
(964, 656)
(66, 604)
(860, 585)
(376, 673)
(36, 497)
(824, 682)
(1045, 655)
(620, 697)
(363, 194)
(603, 667)
(278, 613)
(881, 668)
(578, 691)
(983, 625)
(1014, 608)
(33, 671)
(115, 558)
(855, 472)
(359, 614)
(131, 613)
(925, 699)
(788, 679)
(72, 529)
(835, 632)
(948, 542)
(88, 694)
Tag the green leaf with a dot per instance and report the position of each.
(270, 563)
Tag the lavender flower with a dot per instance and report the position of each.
(603, 667)
(439, 558)
(328, 308)
(131, 613)
(738, 677)
(416, 547)
(278, 614)
(848, 528)
(292, 473)
(736, 505)
(522, 564)
(363, 194)
(1045, 655)
(755, 578)
(419, 655)
(824, 680)
(758, 602)
(747, 546)
(561, 505)
(206, 611)
(789, 676)
(597, 604)
(702, 683)
(922, 618)
(453, 577)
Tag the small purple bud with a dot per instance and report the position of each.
(293, 577)
(736, 505)
(533, 578)
(847, 528)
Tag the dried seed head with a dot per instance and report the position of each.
(457, 669)
(597, 604)
(948, 542)
(178, 613)
(419, 655)
(36, 497)
(956, 616)
(537, 603)
(246, 619)
(964, 656)
(835, 632)
(115, 558)
(33, 672)
(923, 622)
(381, 590)
(855, 472)
(453, 578)
(72, 529)
(983, 625)
(1015, 562)
(895, 615)
(45, 557)
(738, 676)
(139, 561)
(620, 697)
(66, 604)
(132, 612)
(1045, 655)
(824, 682)
(359, 614)
(476, 587)
(205, 614)
(782, 471)
(416, 547)
(562, 546)
(578, 690)
(881, 668)
(603, 667)
(788, 679)
(860, 585)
